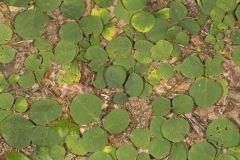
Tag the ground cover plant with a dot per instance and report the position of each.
(119, 79)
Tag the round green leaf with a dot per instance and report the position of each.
(99, 81)
(7, 54)
(176, 51)
(119, 47)
(190, 25)
(134, 4)
(122, 13)
(95, 40)
(152, 77)
(229, 20)
(98, 57)
(65, 127)
(224, 85)
(17, 131)
(140, 137)
(143, 21)
(210, 39)
(165, 71)
(45, 110)
(143, 51)
(237, 12)
(223, 133)
(32, 63)
(191, 67)
(179, 151)
(226, 157)
(235, 36)
(120, 98)
(205, 92)
(3, 82)
(177, 11)
(163, 13)
(109, 31)
(75, 144)
(172, 32)
(213, 65)
(100, 156)
(17, 3)
(126, 61)
(236, 56)
(45, 136)
(70, 31)
(111, 151)
(4, 114)
(6, 33)
(141, 68)
(103, 3)
(116, 121)
(103, 13)
(162, 50)
(42, 44)
(161, 106)
(65, 52)
(158, 32)
(46, 5)
(134, 85)
(91, 25)
(207, 6)
(57, 152)
(21, 104)
(182, 39)
(6, 101)
(73, 9)
(143, 156)
(30, 24)
(147, 90)
(94, 139)
(175, 129)
(126, 152)
(155, 126)
(85, 108)
(115, 76)
(16, 156)
(202, 149)
(227, 6)
(217, 15)
(159, 148)
(26, 80)
(182, 104)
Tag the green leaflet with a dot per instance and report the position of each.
(175, 129)
(143, 21)
(116, 121)
(30, 24)
(134, 85)
(16, 126)
(223, 133)
(126, 152)
(7, 54)
(6, 33)
(205, 92)
(85, 108)
(202, 149)
(44, 111)
(45, 136)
